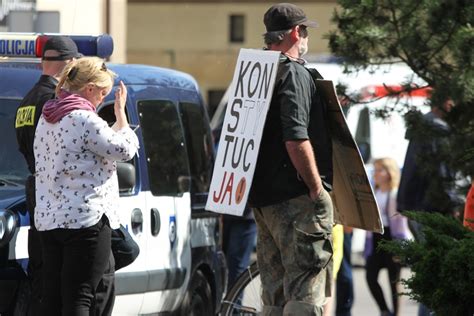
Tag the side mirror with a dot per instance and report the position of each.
(184, 184)
(126, 176)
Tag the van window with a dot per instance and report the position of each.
(107, 113)
(199, 145)
(163, 138)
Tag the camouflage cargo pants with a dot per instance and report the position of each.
(294, 253)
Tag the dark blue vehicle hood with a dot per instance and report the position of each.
(11, 196)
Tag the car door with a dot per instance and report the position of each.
(167, 203)
(130, 280)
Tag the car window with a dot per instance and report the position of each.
(12, 164)
(106, 111)
(198, 144)
(165, 150)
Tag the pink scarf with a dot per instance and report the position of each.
(65, 103)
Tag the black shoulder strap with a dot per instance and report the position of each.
(320, 97)
(314, 73)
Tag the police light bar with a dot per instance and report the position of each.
(31, 44)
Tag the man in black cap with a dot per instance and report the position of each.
(57, 53)
(293, 175)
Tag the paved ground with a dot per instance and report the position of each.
(365, 305)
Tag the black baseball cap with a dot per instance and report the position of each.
(64, 45)
(284, 16)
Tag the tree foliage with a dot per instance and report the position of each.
(442, 262)
(435, 38)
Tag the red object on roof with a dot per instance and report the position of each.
(380, 91)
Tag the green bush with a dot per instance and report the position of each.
(443, 264)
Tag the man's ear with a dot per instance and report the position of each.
(295, 34)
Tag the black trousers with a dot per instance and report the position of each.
(344, 280)
(375, 262)
(34, 249)
(74, 261)
(105, 294)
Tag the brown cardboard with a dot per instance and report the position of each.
(354, 200)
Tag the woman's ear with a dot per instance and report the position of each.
(88, 90)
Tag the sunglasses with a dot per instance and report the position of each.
(303, 31)
(73, 72)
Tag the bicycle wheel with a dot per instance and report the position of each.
(244, 298)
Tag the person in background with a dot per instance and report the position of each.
(337, 242)
(344, 280)
(432, 189)
(239, 233)
(76, 184)
(428, 187)
(386, 180)
(289, 193)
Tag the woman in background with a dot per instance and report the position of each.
(386, 179)
(76, 184)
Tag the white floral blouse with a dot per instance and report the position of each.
(76, 179)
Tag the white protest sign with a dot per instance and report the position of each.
(250, 95)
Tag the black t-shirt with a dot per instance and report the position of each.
(295, 113)
(28, 114)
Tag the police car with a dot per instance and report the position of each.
(163, 190)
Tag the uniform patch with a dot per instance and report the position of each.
(25, 116)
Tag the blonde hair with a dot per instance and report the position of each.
(390, 165)
(79, 73)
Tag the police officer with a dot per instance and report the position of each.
(57, 53)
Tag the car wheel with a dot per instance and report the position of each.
(198, 300)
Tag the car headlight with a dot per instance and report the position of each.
(8, 224)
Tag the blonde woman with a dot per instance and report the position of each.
(386, 179)
(76, 184)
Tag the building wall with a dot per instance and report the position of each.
(92, 17)
(193, 36)
(77, 17)
(117, 27)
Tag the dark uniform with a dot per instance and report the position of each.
(27, 117)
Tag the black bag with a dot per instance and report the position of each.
(124, 248)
